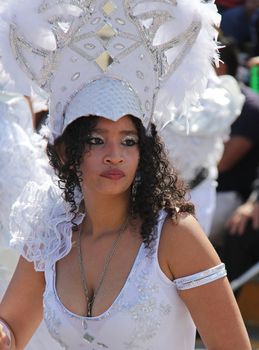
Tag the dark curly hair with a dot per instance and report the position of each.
(157, 186)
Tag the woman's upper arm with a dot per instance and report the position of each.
(21, 307)
(213, 306)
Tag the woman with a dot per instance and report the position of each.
(110, 237)
(107, 253)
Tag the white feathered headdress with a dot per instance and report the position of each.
(109, 57)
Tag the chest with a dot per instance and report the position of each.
(144, 315)
(95, 275)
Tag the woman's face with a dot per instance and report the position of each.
(109, 167)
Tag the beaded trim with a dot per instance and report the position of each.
(201, 278)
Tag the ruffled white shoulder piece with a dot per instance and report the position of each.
(41, 225)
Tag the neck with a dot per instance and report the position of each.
(105, 214)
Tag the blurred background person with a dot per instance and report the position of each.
(237, 167)
(240, 21)
(22, 158)
(241, 239)
(195, 142)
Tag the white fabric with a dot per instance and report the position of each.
(203, 197)
(145, 311)
(196, 140)
(60, 48)
(147, 314)
(101, 96)
(21, 159)
(22, 156)
(40, 224)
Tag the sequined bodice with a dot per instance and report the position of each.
(148, 313)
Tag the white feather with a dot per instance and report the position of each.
(33, 27)
(188, 82)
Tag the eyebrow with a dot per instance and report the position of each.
(122, 132)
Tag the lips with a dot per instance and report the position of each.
(113, 174)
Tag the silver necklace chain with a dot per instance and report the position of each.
(90, 300)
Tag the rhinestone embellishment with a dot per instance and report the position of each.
(109, 7)
(88, 338)
(75, 76)
(104, 61)
(106, 32)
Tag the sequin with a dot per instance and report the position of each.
(88, 338)
(120, 21)
(96, 20)
(119, 46)
(89, 46)
(140, 75)
(75, 76)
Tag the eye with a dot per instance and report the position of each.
(130, 141)
(95, 140)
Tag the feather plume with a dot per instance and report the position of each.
(185, 86)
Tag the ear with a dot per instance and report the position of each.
(60, 149)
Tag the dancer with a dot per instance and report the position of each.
(108, 250)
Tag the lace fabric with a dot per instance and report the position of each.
(41, 225)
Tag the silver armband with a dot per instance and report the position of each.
(6, 329)
(201, 278)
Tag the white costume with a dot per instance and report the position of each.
(104, 58)
(195, 141)
(148, 312)
(21, 159)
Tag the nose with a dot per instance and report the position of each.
(114, 155)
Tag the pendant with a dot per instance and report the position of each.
(88, 338)
(89, 307)
(84, 324)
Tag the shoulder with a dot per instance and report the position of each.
(41, 224)
(185, 247)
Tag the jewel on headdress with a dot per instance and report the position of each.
(104, 61)
(106, 33)
(109, 7)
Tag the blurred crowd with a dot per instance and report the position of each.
(235, 227)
